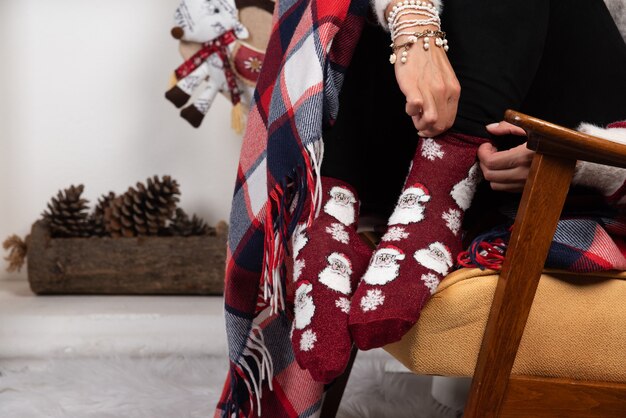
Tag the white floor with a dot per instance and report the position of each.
(153, 357)
(47, 326)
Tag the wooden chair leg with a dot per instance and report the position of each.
(335, 392)
(535, 224)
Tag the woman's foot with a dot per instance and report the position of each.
(329, 259)
(421, 242)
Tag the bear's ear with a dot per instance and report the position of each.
(241, 31)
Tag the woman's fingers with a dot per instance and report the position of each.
(510, 176)
(425, 122)
(505, 128)
(505, 170)
(439, 111)
(508, 187)
(493, 159)
(414, 103)
(445, 94)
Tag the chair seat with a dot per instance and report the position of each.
(576, 328)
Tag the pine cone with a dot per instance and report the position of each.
(18, 249)
(67, 214)
(183, 226)
(143, 210)
(97, 217)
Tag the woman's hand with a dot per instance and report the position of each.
(508, 170)
(430, 86)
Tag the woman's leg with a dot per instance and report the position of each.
(495, 50)
(582, 74)
(561, 60)
(329, 257)
(421, 243)
(372, 142)
(329, 260)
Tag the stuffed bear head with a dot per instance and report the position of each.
(204, 20)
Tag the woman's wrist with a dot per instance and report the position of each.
(413, 24)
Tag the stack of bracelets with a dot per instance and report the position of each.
(421, 13)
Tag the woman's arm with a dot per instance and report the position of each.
(427, 80)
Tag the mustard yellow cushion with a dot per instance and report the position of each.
(576, 328)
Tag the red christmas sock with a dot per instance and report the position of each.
(329, 259)
(421, 243)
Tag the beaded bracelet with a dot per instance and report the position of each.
(411, 4)
(440, 41)
(395, 25)
(410, 10)
(411, 24)
(414, 22)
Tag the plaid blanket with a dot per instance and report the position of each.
(591, 235)
(278, 187)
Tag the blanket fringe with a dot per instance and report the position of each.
(287, 202)
(255, 353)
(316, 151)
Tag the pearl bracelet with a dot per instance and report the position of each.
(395, 21)
(440, 41)
(412, 23)
(410, 11)
(411, 4)
(408, 8)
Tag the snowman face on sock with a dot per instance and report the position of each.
(436, 257)
(410, 207)
(336, 275)
(341, 205)
(384, 266)
(304, 307)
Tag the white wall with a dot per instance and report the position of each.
(81, 101)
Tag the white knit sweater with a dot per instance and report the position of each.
(607, 180)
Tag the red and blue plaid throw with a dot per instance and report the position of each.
(277, 187)
(591, 236)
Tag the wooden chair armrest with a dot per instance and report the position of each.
(550, 139)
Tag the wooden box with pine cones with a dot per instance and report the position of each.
(139, 242)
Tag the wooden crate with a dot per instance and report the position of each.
(126, 266)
